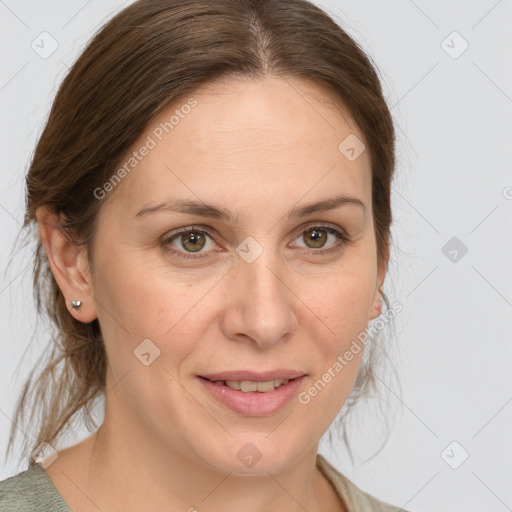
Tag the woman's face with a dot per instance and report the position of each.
(252, 288)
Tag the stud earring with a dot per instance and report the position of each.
(76, 305)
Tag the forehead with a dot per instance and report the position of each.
(242, 113)
(274, 136)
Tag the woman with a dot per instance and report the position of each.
(212, 197)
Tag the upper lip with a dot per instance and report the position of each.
(239, 375)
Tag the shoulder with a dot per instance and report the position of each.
(30, 491)
(354, 498)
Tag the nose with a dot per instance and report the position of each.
(261, 305)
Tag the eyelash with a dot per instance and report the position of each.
(340, 235)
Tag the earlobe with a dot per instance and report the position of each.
(376, 307)
(69, 266)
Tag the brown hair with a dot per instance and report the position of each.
(147, 56)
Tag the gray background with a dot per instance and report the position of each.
(454, 179)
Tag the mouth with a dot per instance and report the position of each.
(253, 394)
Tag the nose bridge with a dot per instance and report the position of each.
(263, 299)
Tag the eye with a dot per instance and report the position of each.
(316, 237)
(189, 240)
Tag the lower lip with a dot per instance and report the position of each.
(254, 403)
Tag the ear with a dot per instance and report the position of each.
(69, 265)
(376, 306)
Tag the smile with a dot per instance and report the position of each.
(252, 397)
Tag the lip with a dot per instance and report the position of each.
(255, 376)
(252, 403)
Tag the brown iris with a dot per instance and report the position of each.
(318, 237)
(193, 241)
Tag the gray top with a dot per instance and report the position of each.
(33, 491)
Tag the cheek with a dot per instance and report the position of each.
(135, 305)
(340, 306)
(132, 296)
(341, 301)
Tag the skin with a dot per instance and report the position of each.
(258, 148)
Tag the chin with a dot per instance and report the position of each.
(254, 454)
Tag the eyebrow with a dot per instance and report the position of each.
(211, 211)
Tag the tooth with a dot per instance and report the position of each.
(266, 386)
(251, 386)
(247, 386)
